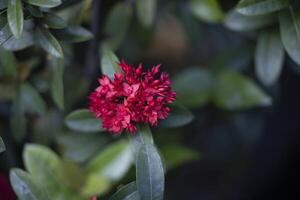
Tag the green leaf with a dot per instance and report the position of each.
(127, 192)
(73, 34)
(24, 186)
(34, 11)
(142, 137)
(48, 42)
(15, 17)
(80, 147)
(3, 4)
(83, 120)
(193, 87)
(234, 91)
(207, 10)
(8, 62)
(149, 173)
(146, 10)
(95, 185)
(113, 162)
(289, 21)
(2, 145)
(44, 3)
(117, 25)
(176, 155)
(238, 22)
(259, 7)
(109, 63)
(57, 85)
(5, 34)
(31, 100)
(54, 21)
(178, 117)
(269, 56)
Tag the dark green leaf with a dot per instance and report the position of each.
(57, 85)
(193, 87)
(259, 7)
(2, 145)
(31, 100)
(73, 34)
(207, 10)
(48, 42)
(5, 34)
(54, 21)
(15, 17)
(142, 137)
(127, 192)
(8, 62)
(83, 120)
(290, 32)
(44, 3)
(176, 155)
(24, 186)
(146, 10)
(149, 173)
(117, 24)
(109, 63)
(178, 117)
(34, 11)
(234, 91)
(3, 4)
(269, 57)
(238, 22)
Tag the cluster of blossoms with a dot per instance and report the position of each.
(133, 97)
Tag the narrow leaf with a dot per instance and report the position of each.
(44, 3)
(259, 7)
(57, 85)
(178, 117)
(149, 173)
(234, 91)
(146, 10)
(2, 145)
(48, 42)
(127, 192)
(15, 17)
(269, 57)
(73, 34)
(8, 62)
(83, 120)
(207, 10)
(289, 21)
(54, 21)
(109, 63)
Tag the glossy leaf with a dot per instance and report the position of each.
(269, 57)
(34, 11)
(234, 91)
(290, 32)
(259, 7)
(109, 63)
(73, 34)
(2, 145)
(117, 24)
(57, 85)
(238, 22)
(54, 21)
(48, 42)
(149, 173)
(178, 117)
(146, 10)
(44, 3)
(24, 186)
(142, 137)
(15, 17)
(113, 162)
(207, 10)
(193, 87)
(83, 120)
(127, 192)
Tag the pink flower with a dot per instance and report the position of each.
(132, 98)
(6, 192)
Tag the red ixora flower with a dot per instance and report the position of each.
(133, 97)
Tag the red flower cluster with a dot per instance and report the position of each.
(131, 98)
